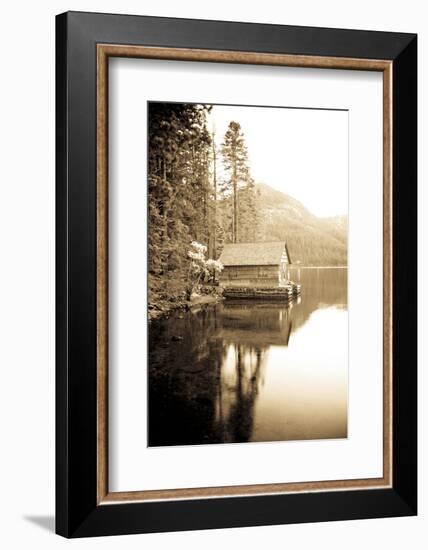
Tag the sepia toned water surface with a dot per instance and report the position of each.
(253, 371)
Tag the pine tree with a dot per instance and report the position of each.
(248, 216)
(235, 161)
(239, 208)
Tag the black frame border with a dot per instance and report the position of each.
(77, 512)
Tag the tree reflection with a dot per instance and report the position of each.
(238, 390)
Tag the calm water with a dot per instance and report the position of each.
(253, 371)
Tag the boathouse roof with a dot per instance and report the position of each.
(261, 253)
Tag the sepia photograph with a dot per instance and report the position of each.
(247, 273)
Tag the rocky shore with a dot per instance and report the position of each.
(163, 308)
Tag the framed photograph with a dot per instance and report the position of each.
(236, 274)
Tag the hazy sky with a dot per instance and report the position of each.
(301, 152)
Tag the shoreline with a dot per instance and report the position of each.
(162, 309)
(294, 266)
(165, 309)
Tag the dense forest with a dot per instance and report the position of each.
(188, 202)
(202, 196)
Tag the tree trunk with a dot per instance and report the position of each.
(235, 203)
(215, 200)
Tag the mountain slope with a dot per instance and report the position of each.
(311, 240)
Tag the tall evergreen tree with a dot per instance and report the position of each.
(235, 161)
(249, 213)
(239, 214)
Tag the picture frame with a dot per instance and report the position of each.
(84, 44)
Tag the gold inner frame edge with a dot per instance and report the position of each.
(104, 51)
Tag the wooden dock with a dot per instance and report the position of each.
(284, 293)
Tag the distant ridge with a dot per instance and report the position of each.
(311, 240)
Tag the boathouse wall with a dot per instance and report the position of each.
(250, 276)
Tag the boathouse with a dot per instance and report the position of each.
(257, 265)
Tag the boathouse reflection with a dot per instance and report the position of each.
(205, 390)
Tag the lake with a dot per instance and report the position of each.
(253, 371)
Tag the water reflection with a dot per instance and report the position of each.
(253, 371)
